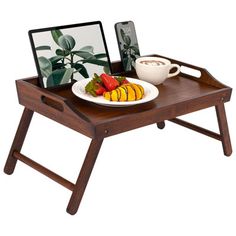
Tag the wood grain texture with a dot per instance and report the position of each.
(84, 175)
(18, 140)
(178, 96)
(50, 174)
(196, 128)
(224, 130)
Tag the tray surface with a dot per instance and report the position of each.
(178, 95)
(172, 91)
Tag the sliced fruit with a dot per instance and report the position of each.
(114, 95)
(131, 92)
(107, 96)
(123, 94)
(141, 89)
(118, 93)
(137, 90)
(126, 92)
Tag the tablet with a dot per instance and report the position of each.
(65, 54)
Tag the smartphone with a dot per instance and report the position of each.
(127, 43)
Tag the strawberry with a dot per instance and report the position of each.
(94, 88)
(99, 89)
(109, 82)
(122, 80)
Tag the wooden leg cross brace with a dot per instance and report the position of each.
(223, 136)
(85, 172)
(79, 187)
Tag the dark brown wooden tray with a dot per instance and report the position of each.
(179, 95)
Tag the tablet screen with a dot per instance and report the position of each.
(64, 54)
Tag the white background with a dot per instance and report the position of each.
(145, 182)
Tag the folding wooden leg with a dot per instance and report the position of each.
(84, 175)
(223, 127)
(18, 140)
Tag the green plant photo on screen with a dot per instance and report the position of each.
(130, 51)
(66, 54)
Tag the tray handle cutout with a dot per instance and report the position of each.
(52, 103)
(190, 71)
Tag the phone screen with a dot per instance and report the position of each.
(128, 44)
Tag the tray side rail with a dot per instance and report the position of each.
(152, 116)
(205, 76)
(52, 106)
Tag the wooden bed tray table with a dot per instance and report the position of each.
(178, 96)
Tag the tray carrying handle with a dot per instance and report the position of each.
(41, 98)
(53, 101)
(60, 104)
(203, 74)
(198, 73)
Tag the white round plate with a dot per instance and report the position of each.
(150, 93)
